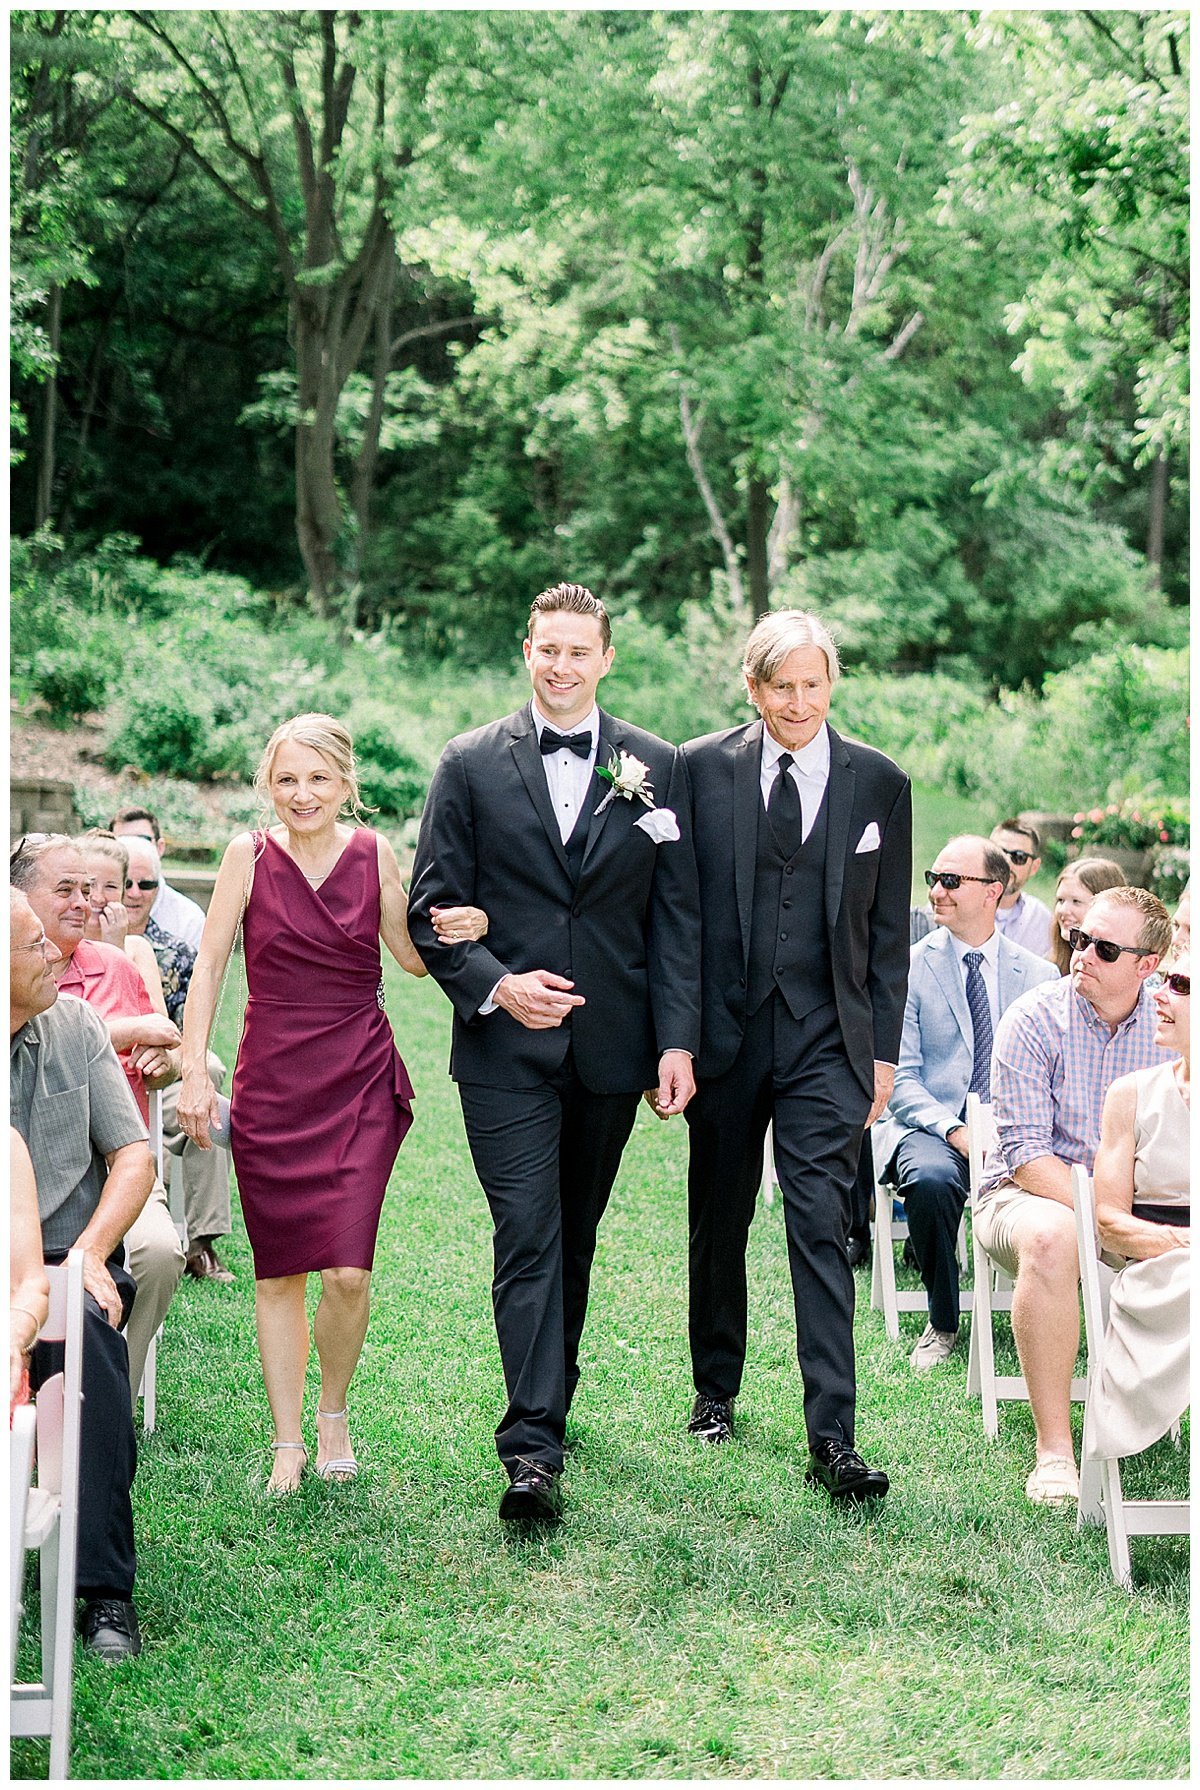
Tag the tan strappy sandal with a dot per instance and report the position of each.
(285, 1491)
(342, 1471)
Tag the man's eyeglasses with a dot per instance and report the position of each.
(1106, 950)
(950, 879)
(145, 885)
(43, 945)
(1017, 857)
(1180, 985)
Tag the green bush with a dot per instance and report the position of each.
(72, 681)
(168, 729)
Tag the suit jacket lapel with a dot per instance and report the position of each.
(839, 803)
(611, 736)
(944, 963)
(528, 760)
(1010, 974)
(747, 799)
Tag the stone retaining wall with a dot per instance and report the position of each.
(41, 805)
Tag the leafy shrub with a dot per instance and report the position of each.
(72, 681)
(167, 729)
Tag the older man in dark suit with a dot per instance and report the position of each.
(584, 993)
(804, 851)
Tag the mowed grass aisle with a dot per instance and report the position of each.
(700, 1613)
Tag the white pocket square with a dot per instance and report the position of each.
(660, 825)
(869, 840)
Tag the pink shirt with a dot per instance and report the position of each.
(107, 980)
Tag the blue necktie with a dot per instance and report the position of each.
(981, 1023)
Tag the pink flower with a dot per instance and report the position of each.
(1077, 816)
(1097, 814)
(1164, 835)
(1076, 832)
(1135, 815)
(1112, 808)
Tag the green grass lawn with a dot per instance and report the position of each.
(698, 1614)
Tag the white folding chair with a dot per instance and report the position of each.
(20, 1473)
(170, 1172)
(886, 1231)
(52, 1522)
(1101, 1499)
(770, 1180)
(993, 1290)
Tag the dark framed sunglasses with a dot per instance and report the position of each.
(1017, 857)
(145, 885)
(1180, 985)
(1106, 951)
(26, 840)
(950, 879)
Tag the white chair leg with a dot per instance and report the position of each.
(1114, 1522)
(149, 1386)
(883, 1265)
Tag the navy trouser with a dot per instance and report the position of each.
(933, 1180)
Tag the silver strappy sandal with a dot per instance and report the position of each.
(285, 1491)
(340, 1471)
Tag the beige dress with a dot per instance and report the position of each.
(1144, 1385)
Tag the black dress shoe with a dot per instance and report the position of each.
(109, 1627)
(711, 1419)
(858, 1251)
(533, 1496)
(843, 1473)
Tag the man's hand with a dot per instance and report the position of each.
(154, 1062)
(676, 1084)
(957, 1140)
(99, 1283)
(885, 1081)
(538, 1000)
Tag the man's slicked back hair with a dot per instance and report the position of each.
(571, 599)
(781, 633)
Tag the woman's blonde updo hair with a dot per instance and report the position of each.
(98, 842)
(326, 736)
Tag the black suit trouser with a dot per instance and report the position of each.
(105, 1561)
(547, 1158)
(795, 1075)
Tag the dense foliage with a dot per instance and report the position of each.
(406, 314)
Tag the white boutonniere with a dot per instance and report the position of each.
(628, 777)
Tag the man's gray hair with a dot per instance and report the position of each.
(25, 856)
(776, 635)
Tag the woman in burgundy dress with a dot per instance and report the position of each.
(321, 1098)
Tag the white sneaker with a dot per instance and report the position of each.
(1054, 1480)
(933, 1347)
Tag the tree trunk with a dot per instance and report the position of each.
(45, 478)
(318, 506)
(758, 523)
(362, 480)
(1156, 523)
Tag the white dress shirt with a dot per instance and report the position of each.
(178, 914)
(1027, 922)
(569, 776)
(809, 772)
(989, 969)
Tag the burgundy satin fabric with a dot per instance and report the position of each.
(321, 1099)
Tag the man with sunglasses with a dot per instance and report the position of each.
(961, 978)
(175, 913)
(1058, 1049)
(1022, 918)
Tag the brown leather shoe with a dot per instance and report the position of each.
(204, 1264)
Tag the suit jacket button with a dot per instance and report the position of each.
(741, 981)
(783, 937)
(576, 911)
(787, 870)
(786, 904)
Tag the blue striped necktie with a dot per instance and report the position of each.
(981, 1024)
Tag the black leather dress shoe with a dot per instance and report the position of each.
(843, 1473)
(533, 1496)
(858, 1251)
(711, 1419)
(109, 1628)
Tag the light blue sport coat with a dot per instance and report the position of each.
(936, 1049)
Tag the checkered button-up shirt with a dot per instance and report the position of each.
(1053, 1063)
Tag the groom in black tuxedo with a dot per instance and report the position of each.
(804, 848)
(584, 993)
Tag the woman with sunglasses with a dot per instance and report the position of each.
(1078, 886)
(1143, 1211)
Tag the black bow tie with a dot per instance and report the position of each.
(578, 743)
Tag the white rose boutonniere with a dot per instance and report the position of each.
(628, 777)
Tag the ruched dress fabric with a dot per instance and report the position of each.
(321, 1099)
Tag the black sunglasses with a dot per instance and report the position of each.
(950, 879)
(1017, 857)
(132, 883)
(26, 840)
(1106, 951)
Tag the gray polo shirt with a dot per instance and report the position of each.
(71, 1103)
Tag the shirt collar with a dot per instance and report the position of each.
(590, 723)
(811, 760)
(990, 948)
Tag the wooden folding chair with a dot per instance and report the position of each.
(886, 1231)
(1101, 1499)
(52, 1522)
(993, 1290)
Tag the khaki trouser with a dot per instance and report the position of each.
(155, 1257)
(205, 1172)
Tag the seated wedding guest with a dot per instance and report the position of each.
(1021, 918)
(206, 1198)
(1143, 1212)
(51, 872)
(28, 1288)
(1181, 923)
(175, 913)
(1058, 1050)
(71, 1104)
(1077, 888)
(961, 978)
